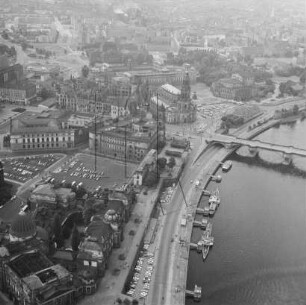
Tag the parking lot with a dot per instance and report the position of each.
(140, 284)
(81, 169)
(22, 169)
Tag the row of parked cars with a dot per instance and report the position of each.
(25, 168)
(140, 284)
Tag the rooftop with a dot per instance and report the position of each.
(29, 263)
(171, 89)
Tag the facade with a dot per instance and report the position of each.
(172, 105)
(13, 88)
(110, 101)
(104, 232)
(127, 140)
(40, 132)
(159, 75)
(11, 75)
(21, 93)
(233, 88)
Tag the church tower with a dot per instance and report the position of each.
(186, 90)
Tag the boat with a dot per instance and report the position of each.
(215, 197)
(204, 223)
(205, 251)
(227, 166)
(209, 228)
(212, 208)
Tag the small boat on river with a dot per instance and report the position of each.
(226, 166)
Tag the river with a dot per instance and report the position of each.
(259, 255)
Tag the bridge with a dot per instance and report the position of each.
(231, 142)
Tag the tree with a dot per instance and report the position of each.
(171, 162)
(161, 163)
(151, 178)
(85, 71)
(295, 109)
(75, 239)
(45, 93)
(126, 302)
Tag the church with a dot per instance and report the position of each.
(172, 105)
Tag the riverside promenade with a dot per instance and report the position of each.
(181, 246)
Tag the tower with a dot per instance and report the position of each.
(186, 90)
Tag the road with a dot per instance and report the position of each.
(161, 286)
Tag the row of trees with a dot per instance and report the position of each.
(152, 177)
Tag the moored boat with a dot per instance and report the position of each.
(215, 197)
(212, 208)
(227, 166)
(205, 251)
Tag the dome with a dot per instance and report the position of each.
(23, 226)
(111, 216)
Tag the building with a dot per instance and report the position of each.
(41, 131)
(147, 164)
(157, 76)
(13, 87)
(19, 235)
(231, 88)
(103, 233)
(21, 93)
(128, 140)
(31, 278)
(172, 105)
(11, 75)
(47, 193)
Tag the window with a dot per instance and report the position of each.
(94, 264)
(86, 263)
